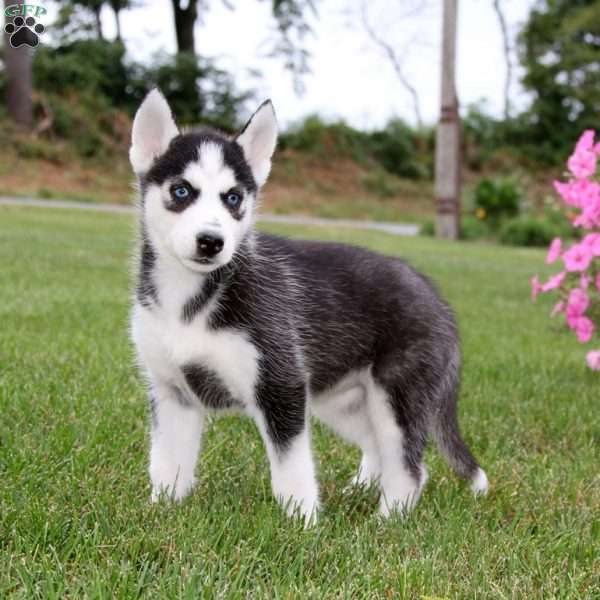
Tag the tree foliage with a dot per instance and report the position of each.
(196, 89)
(80, 58)
(560, 51)
(292, 28)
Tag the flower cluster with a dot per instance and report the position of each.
(578, 283)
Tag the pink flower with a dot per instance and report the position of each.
(587, 219)
(577, 258)
(586, 192)
(582, 163)
(579, 300)
(585, 143)
(572, 319)
(592, 241)
(554, 250)
(581, 192)
(584, 330)
(578, 193)
(553, 282)
(536, 288)
(593, 360)
(590, 215)
(567, 193)
(576, 306)
(558, 308)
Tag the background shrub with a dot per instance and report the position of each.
(427, 229)
(320, 139)
(396, 148)
(529, 231)
(496, 199)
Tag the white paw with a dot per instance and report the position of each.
(480, 483)
(158, 493)
(175, 492)
(400, 493)
(169, 484)
(368, 472)
(401, 506)
(304, 507)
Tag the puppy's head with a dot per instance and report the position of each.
(199, 188)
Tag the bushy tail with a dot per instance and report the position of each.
(446, 431)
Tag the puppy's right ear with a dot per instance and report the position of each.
(153, 129)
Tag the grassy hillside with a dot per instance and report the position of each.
(300, 183)
(75, 520)
(315, 173)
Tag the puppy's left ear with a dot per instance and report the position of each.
(258, 139)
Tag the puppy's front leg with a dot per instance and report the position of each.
(177, 425)
(284, 425)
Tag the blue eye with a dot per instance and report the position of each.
(233, 199)
(181, 192)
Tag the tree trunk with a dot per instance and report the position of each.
(97, 10)
(118, 24)
(507, 59)
(185, 19)
(447, 151)
(17, 64)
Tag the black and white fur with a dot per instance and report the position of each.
(280, 329)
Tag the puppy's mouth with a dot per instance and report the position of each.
(201, 264)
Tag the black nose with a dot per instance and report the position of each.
(208, 245)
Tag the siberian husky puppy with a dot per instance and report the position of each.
(228, 318)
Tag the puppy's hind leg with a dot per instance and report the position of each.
(401, 439)
(345, 413)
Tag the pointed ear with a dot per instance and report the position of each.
(258, 140)
(153, 129)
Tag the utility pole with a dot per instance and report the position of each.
(447, 150)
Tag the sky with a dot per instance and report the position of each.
(350, 78)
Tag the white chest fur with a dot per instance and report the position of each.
(165, 344)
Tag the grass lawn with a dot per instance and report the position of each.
(75, 517)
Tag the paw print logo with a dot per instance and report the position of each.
(24, 31)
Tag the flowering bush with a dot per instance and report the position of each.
(578, 284)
